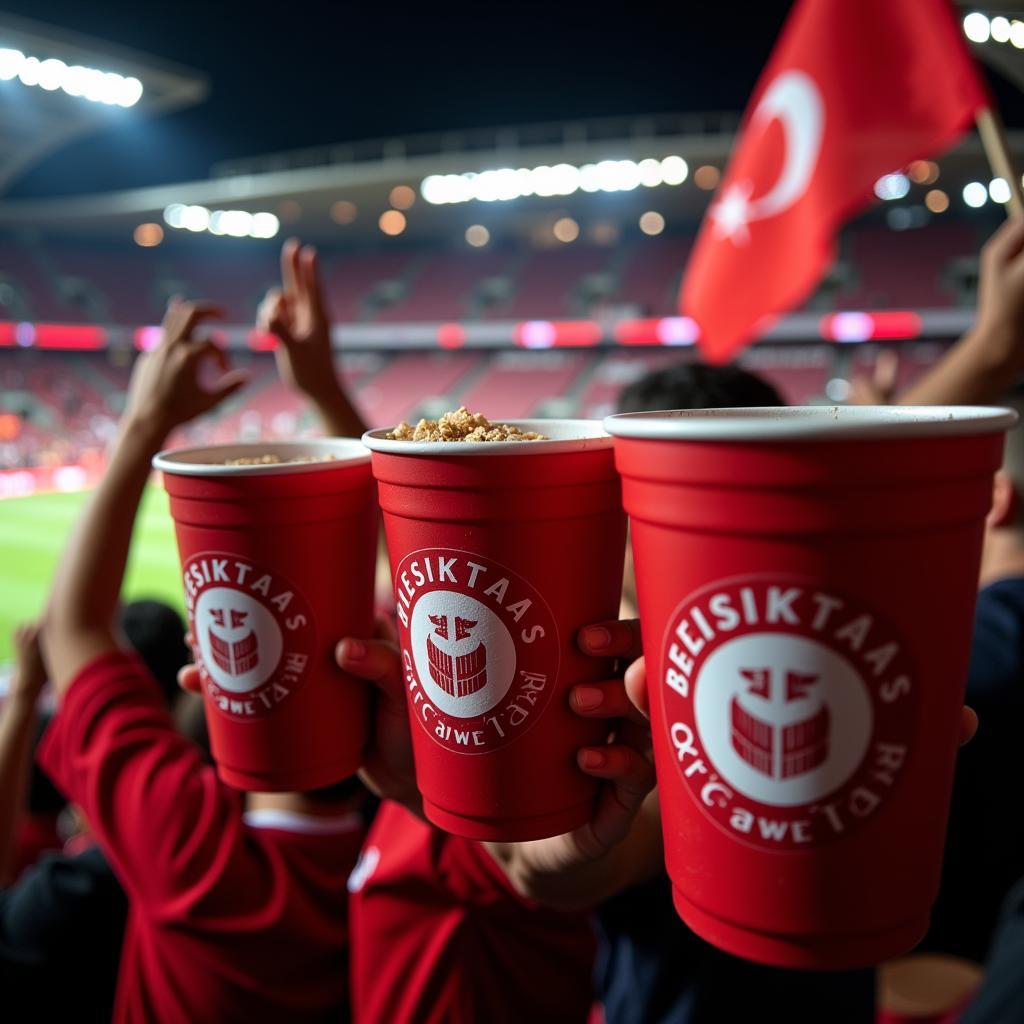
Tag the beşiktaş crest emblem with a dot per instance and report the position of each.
(790, 709)
(479, 648)
(254, 633)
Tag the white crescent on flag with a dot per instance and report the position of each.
(795, 101)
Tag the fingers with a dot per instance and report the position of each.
(187, 316)
(189, 679)
(1005, 244)
(269, 309)
(616, 638)
(885, 374)
(290, 266)
(375, 661)
(603, 700)
(968, 725)
(635, 682)
(309, 272)
(631, 776)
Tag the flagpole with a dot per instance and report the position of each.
(993, 140)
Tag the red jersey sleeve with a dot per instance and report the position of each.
(165, 822)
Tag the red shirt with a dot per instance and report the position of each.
(227, 922)
(439, 935)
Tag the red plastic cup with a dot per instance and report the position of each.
(278, 566)
(499, 553)
(806, 580)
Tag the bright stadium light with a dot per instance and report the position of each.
(174, 215)
(236, 223)
(975, 194)
(52, 74)
(1000, 29)
(977, 27)
(674, 170)
(1017, 34)
(502, 184)
(892, 186)
(999, 190)
(10, 63)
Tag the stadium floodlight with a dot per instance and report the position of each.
(650, 173)
(1017, 34)
(236, 223)
(892, 186)
(674, 170)
(502, 184)
(52, 74)
(977, 27)
(975, 194)
(999, 190)
(10, 63)
(999, 28)
(173, 215)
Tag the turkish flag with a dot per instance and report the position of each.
(855, 89)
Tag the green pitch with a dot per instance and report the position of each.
(32, 535)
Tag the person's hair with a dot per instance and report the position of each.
(156, 632)
(698, 386)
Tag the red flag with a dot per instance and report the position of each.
(855, 89)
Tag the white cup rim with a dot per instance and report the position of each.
(208, 460)
(565, 435)
(811, 423)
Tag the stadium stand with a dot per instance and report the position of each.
(445, 286)
(905, 269)
(59, 409)
(73, 282)
(651, 274)
(547, 283)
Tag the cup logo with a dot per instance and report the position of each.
(253, 633)
(479, 648)
(790, 710)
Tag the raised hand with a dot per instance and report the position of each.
(169, 385)
(297, 315)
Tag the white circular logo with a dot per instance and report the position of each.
(239, 638)
(784, 719)
(465, 656)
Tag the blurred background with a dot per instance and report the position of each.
(503, 200)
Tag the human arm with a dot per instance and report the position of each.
(619, 846)
(985, 363)
(17, 726)
(165, 392)
(297, 315)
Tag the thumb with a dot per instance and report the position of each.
(377, 662)
(228, 384)
(275, 317)
(188, 679)
(636, 686)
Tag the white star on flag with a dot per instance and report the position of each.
(731, 214)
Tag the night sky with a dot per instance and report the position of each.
(285, 75)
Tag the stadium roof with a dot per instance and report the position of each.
(78, 80)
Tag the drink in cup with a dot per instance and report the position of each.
(277, 543)
(500, 551)
(806, 580)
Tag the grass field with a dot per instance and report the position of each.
(32, 535)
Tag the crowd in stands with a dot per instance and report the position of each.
(62, 281)
(62, 408)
